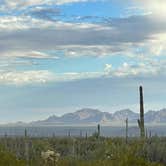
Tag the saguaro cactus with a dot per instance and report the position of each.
(98, 130)
(127, 130)
(26, 147)
(80, 133)
(69, 133)
(141, 120)
(86, 135)
(25, 133)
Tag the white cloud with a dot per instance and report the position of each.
(13, 23)
(94, 50)
(24, 77)
(108, 68)
(140, 69)
(137, 70)
(157, 7)
(10, 23)
(42, 76)
(77, 76)
(154, 68)
(30, 54)
(13, 4)
(61, 2)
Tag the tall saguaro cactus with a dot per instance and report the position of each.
(127, 130)
(141, 120)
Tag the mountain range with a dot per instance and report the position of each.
(88, 116)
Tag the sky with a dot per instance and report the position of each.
(58, 56)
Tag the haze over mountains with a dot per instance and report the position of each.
(89, 116)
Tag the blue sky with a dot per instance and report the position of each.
(58, 56)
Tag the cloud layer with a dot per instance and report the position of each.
(19, 3)
(30, 36)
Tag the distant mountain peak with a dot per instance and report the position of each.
(95, 116)
(86, 113)
(124, 111)
(88, 110)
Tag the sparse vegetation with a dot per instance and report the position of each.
(89, 151)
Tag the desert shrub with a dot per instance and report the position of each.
(8, 159)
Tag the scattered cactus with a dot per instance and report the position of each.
(141, 120)
(98, 130)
